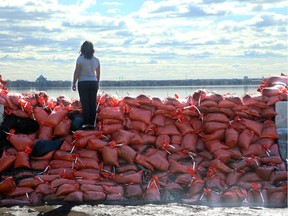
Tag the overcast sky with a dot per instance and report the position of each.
(144, 40)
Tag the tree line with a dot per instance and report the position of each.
(123, 83)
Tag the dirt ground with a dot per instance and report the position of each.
(143, 210)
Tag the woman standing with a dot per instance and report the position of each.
(87, 73)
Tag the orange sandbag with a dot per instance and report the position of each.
(63, 127)
(22, 160)
(222, 155)
(87, 174)
(54, 164)
(85, 153)
(231, 137)
(7, 185)
(39, 164)
(245, 138)
(91, 187)
(110, 156)
(56, 116)
(127, 153)
(142, 160)
(40, 115)
(63, 155)
(158, 120)
(6, 161)
(20, 141)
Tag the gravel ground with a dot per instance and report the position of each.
(146, 210)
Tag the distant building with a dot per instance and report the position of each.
(41, 79)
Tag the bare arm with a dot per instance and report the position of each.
(76, 76)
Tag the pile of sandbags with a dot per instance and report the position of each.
(205, 149)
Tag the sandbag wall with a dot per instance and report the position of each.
(207, 149)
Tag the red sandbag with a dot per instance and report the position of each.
(142, 160)
(158, 162)
(226, 104)
(255, 126)
(111, 113)
(184, 127)
(127, 153)
(269, 130)
(135, 125)
(45, 132)
(254, 150)
(196, 187)
(218, 134)
(158, 120)
(87, 174)
(86, 163)
(162, 141)
(231, 137)
(22, 160)
(95, 144)
(63, 128)
(189, 142)
(7, 185)
(85, 153)
(264, 172)
(122, 137)
(109, 129)
(54, 164)
(219, 165)
(133, 191)
(234, 195)
(39, 164)
(20, 191)
(131, 101)
(110, 156)
(63, 155)
(245, 139)
(44, 188)
(232, 178)
(214, 145)
(169, 129)
(176, 167)
(91, 187)
(148, 139)
(138, 114)
(134, 178)
(81, 143)
(66, 189)
(94, 196)
(76, 196)
(210, 127)
(216, 117)
(6, 161)
(152, 192)
(222, 155)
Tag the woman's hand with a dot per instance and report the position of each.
(74, 87)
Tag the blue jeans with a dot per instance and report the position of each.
(88, 98)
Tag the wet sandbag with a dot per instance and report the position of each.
(7, 185)
(42, 147)
(6, 161)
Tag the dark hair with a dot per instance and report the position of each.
(87, 49)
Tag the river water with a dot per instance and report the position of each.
(155, 91)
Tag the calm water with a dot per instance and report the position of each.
(157, 91)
